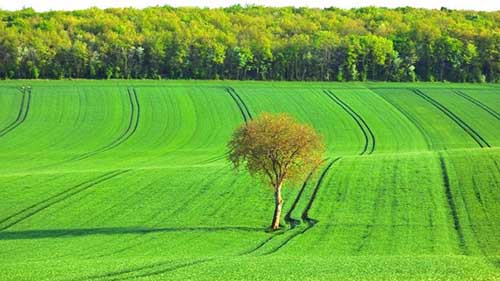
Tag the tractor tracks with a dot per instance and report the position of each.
(245, 112)
(305, 218)
(133, 123)
(410, 118)
(461, 123)
(135, 272)
(481, 105)
(166, 270)
(57, 198)
(305, 214)
(23, 111)
(288, 217)
(451, 204)
(368, 148)
(370, 142)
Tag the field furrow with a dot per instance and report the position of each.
(468, 129)
(479, 104)
(129, 131)
(22, 114)
(370, 142)
(42, 205)
(129, 180)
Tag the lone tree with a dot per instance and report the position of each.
(278, 149)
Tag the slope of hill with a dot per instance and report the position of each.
(118, 180)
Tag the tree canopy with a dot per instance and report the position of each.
(278, 149)
(254, 42)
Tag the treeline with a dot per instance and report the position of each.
(262, 43)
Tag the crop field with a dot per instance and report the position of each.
(128, 180)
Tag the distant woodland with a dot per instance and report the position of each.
(254, 43)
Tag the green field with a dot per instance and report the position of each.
(127, 180)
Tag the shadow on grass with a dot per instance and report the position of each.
(61, 233)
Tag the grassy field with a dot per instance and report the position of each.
(127, 180)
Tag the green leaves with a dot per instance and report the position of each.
(252, 43)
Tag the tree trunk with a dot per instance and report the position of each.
(278, 201)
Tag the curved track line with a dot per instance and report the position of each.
(238, 104)
(138, 274)
(369, 147)
(115, 275)
(478, 103)
(22, 114)
(260, 245)
(370, 142)
(368, 232)
(410, 118)
(131, 128)
(451, 204)
(170, 269)
(468, 129)
(305, 214)
(42, 205)
(138, 270)
(241, 101)
(288, 217)
(473, 226)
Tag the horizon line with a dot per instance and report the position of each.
(245, 6)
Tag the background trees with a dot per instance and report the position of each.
(404, 44)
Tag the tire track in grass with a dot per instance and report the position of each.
(451, 204)
(133, 124)
(468, 129)
(166, 270)
(243, 104)
(473, 226)
(159, 265)
(240, 107)
(245, 113)
(305, 214)
(478, 103)
(261, 244)
(288, 217)
(212, 160)
(432, 225)
(376, 212)
(305, 217)
(49, 202)
(116, 275)
(22, 114)
(368, 148)
(217, 174)
(410, 118)
(370, 142)
(137, 272)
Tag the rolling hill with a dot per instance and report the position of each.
(128, 180)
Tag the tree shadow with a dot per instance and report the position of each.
(62, 233)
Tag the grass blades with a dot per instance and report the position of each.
(128, 180)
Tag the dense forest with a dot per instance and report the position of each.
(261, 43)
